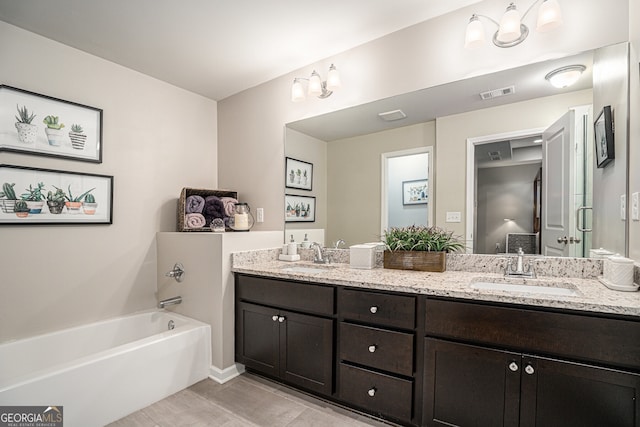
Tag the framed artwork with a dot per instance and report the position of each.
(603, 136)
(298, 174)
(46, 196)
(414, 192)
(299, 208)
(42, 125)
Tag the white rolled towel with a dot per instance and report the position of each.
(194, 220)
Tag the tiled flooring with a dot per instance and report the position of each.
(247, 400)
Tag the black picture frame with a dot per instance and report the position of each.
(298, 174)
(96, 210)
(299, 208)
(415, 192)
(603, 136)
(79, 139)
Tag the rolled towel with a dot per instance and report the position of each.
(213, 208)
(194, 220)
(229, 205)
(194, 204)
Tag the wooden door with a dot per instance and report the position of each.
(306, 351)
(257, 337)
(566, 394)
(470, 386)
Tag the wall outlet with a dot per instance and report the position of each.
(623, 207)
(454, 217)
(635, 206)
(260, 215)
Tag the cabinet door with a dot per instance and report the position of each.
(257, 337)
(306, 351)
(558, 393)
(465, 385)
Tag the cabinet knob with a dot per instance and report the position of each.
(372, 348)
(529, 369)
(513, 366)
(274, 317)
(372, 391)
(281, 319)
(373, 309)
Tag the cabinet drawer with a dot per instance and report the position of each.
(578, 336)
(378, 348)
(377, 308)
(378, 393)
(290, 295)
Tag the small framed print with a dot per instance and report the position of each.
(299, 208)
(298, 174)
(604, 138)
(415, 192)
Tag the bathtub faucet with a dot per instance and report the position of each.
(177, 272)
(169, 301)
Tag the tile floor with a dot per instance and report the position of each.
(247, 400)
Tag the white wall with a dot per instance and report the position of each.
(634, 123)
(400, 169)
(157, 139)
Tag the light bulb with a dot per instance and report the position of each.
(549, 16)
(297, 91)
(474, 36)
(509, 25)
(315, 84)
(333, 79)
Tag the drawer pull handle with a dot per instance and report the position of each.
(373, 309)
(281, 319)
(274, 317)
(372, 391)
(513, 366)
(529, 369)
(372, 348)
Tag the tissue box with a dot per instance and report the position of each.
(363, 256)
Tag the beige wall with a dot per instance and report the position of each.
(451, 147)
(157, 139)
(634, 123)
(354, 179)
(250, 124)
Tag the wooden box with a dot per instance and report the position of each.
(186, 192)
(415, 260)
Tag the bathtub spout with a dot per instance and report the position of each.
(169, 301)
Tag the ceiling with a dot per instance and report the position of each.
(217, 48)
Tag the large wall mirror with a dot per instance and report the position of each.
(497, 173)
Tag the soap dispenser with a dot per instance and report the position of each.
(306, 244)
(292, 247)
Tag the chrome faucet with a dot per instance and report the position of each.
(319, 256)
(520, 270)
(177, 272)
(338, 243)
(170, 301)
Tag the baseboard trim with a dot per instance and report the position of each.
(221, 376)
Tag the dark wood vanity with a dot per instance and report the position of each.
(420, 360)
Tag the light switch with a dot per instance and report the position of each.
(260, 215)
(454, 217)
(635, 206)
(623, 207)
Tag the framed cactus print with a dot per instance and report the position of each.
(298, 174)
(45, 196)
(299, 208)
(37, 124)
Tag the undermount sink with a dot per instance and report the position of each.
(533, 289)
(304, 269)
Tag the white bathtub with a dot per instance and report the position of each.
(103, 371)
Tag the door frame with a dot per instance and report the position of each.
(384, 202)
(470, 213)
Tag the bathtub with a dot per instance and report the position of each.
(103, 371)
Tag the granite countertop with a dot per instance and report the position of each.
(592, 295)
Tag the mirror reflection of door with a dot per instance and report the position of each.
(406, 188)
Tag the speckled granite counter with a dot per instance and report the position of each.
(592, 295)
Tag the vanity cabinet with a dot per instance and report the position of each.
(495, 365)
(285, 330)
(376, 352)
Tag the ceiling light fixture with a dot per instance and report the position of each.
(315, 86)
(565, 76)
(511, 31)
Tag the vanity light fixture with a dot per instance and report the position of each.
(511, 31)
(565, 76)
(315, 85)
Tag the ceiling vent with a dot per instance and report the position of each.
(391, 116)
(494, 155)
(496, 93)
